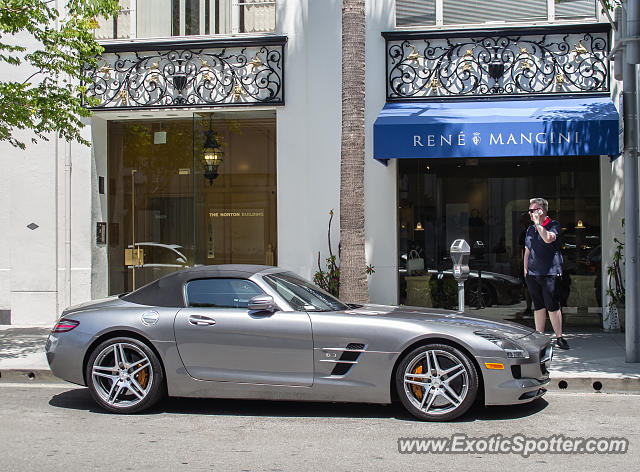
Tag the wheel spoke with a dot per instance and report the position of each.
(436, 366)
(452, 369)
(144, 366)
(116, 355)
(114, 378)
(428, 407)
(104, 368)
(428, 358)
(450, 395)
(122, 355)
(450, 378)
(419, 384)
(136, 389)
(409, 375)
(425, 395)
(116, 388)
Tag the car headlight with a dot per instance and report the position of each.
(511, 348)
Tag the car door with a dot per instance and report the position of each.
(219, 339)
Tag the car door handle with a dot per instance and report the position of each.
(199, 320)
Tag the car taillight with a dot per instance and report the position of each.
(62, 326)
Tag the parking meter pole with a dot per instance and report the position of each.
(459, 252)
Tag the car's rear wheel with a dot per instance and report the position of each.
(124, 375)
(436, 382)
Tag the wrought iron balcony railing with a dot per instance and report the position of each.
(189, 73)
(557, 60)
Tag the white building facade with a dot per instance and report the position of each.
(263, 80)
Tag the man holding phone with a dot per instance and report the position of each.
(543, 268)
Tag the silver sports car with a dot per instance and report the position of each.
(257, 332)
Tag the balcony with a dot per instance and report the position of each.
(554, 60)
(241, 71)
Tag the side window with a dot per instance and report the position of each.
(221, 293)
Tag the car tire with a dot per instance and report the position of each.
(124, 375)
(436, 382)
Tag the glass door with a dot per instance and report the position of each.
(150, 201)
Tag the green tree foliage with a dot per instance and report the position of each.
(41, 88)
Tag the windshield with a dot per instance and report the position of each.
(303, 295)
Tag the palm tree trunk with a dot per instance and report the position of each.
(353, 279)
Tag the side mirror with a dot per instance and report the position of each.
(263, 303)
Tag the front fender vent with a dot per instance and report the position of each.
(349, 357)
(355, 346)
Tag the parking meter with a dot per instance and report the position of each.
(459, 252)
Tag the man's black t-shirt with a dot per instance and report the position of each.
(544, 259)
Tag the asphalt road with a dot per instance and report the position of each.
(58, 427)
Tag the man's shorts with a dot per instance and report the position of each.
(544, 291)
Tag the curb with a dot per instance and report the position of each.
(623, 385)
(27, 376)
(558, 383)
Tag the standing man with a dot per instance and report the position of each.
(543, 268)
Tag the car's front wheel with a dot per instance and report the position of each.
(436, 382)
(124, 375)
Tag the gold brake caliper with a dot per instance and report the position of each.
(417, 390)
(142, 377)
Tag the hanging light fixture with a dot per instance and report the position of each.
(212, 153)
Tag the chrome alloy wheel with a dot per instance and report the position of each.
(436, 382)
(122, 375)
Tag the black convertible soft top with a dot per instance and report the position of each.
(168, 290)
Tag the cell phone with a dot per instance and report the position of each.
(539, 212)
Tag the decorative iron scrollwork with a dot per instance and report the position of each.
(188, 77)
(420, 66)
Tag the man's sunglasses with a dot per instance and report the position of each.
(531, 210)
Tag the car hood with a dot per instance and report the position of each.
(444, 317)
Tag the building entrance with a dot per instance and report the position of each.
(169, 211)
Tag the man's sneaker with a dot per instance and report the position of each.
(562, 343)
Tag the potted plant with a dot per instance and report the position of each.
(616, 291)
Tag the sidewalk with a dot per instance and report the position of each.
(594, 358)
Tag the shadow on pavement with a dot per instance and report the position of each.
(80, 399)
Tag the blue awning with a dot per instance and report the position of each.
(550, 127)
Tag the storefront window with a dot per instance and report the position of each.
(485, 202)
(165, 215)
